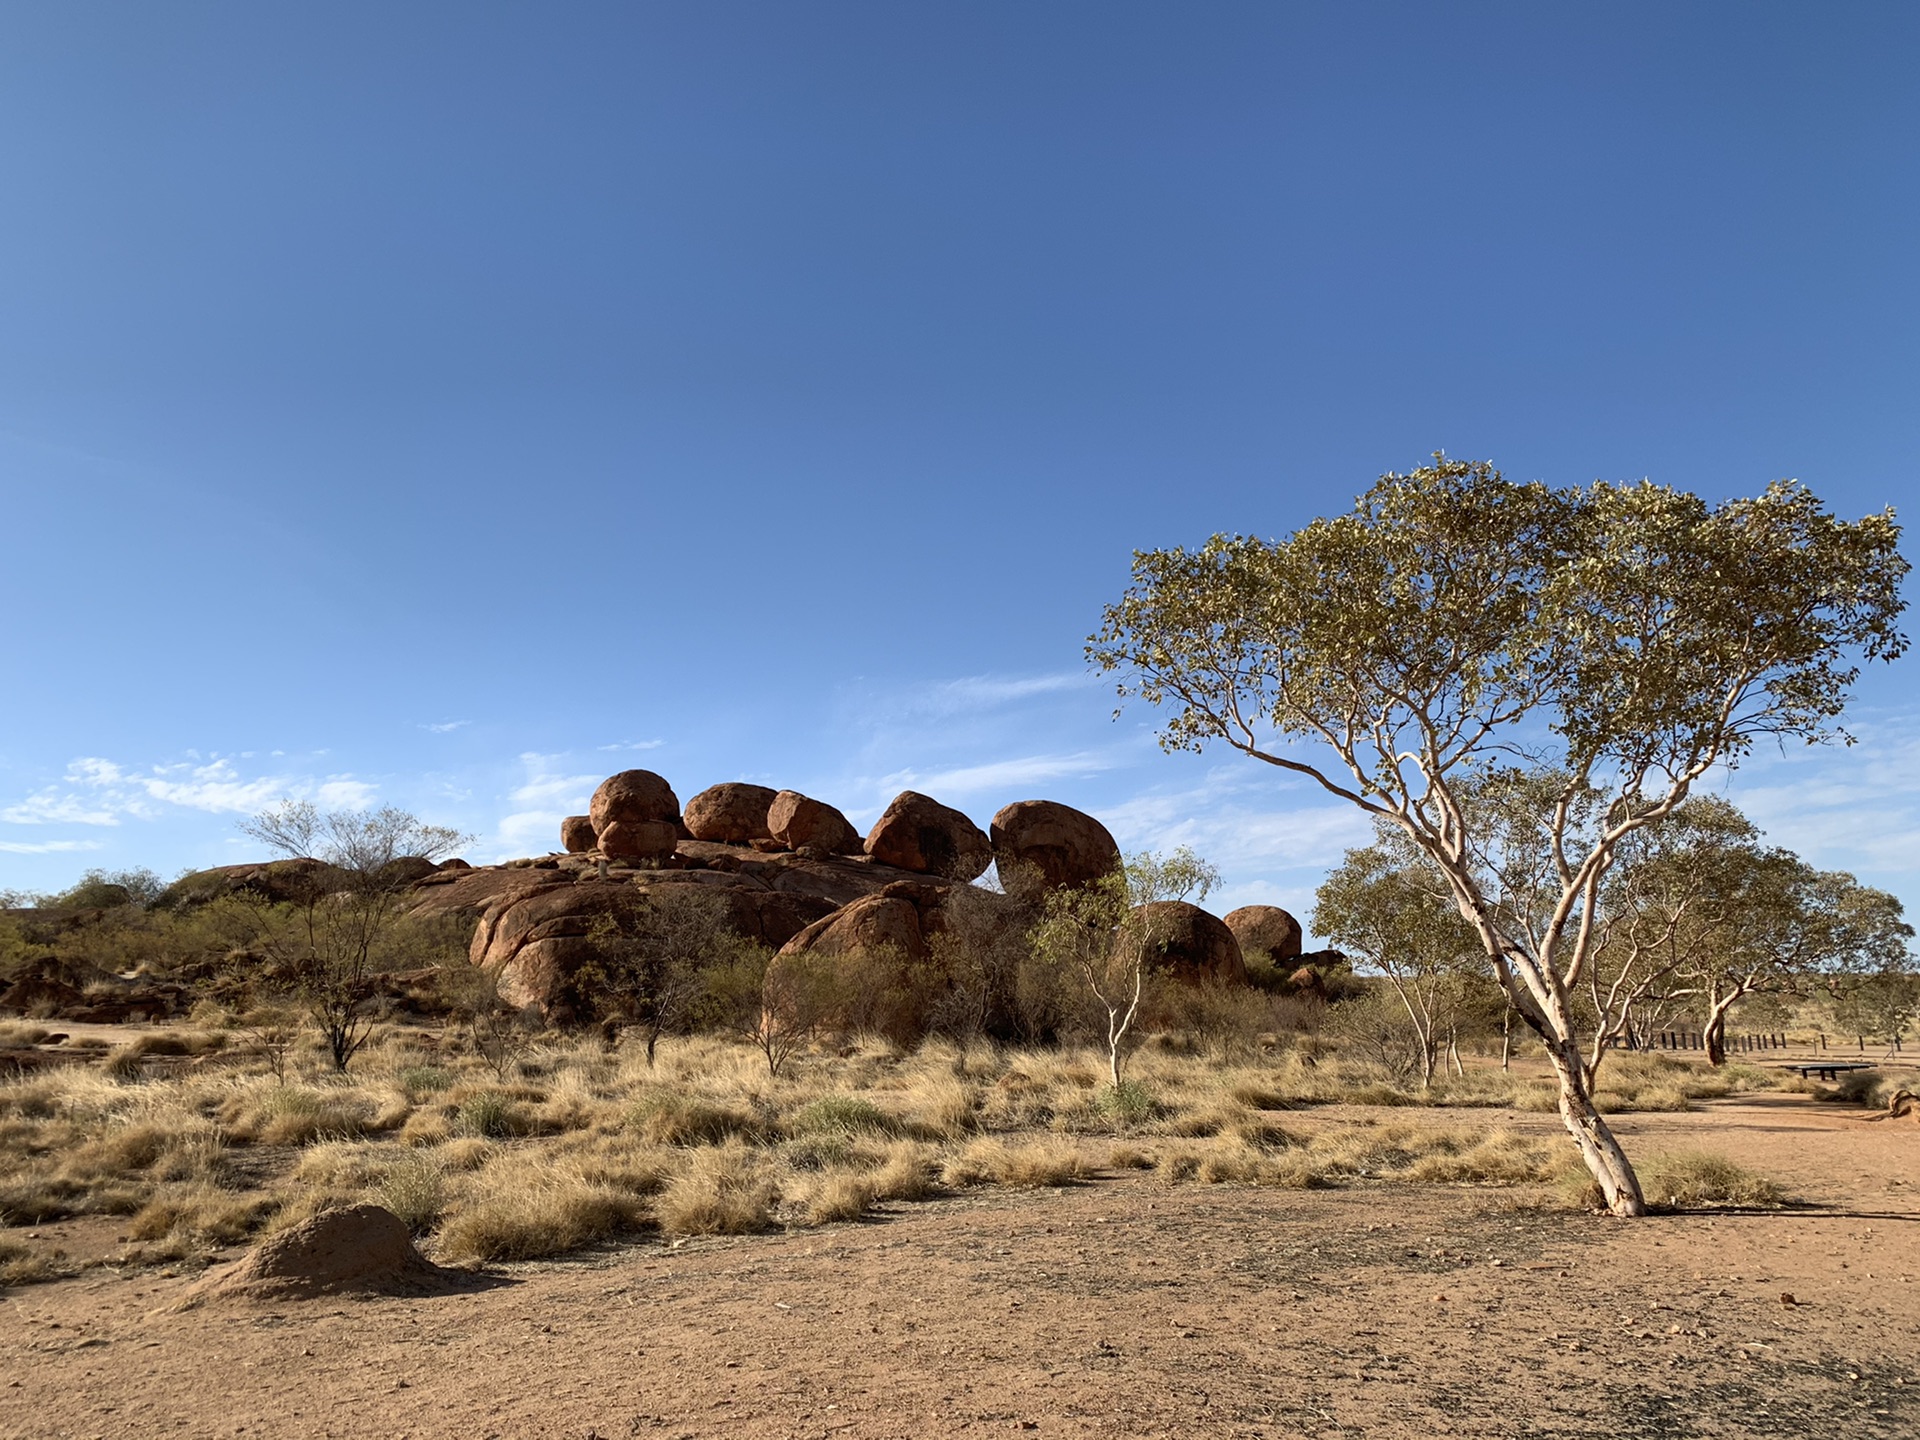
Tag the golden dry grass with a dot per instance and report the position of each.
(577, 1146)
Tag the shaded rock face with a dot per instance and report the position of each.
(796, 820)
(576, 834)
(734, 813)
(1043, 845)
(359, 1248)
(649, 841)
(278, 880)
(1265, 932)
(864, 968)
(918, 833)
(1192, 945)
(536, 936)
(870, 924)
(403, 871)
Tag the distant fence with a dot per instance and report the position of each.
(1742, 1044)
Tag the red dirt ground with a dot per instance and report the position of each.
(1121, 1307)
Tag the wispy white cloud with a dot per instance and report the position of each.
(635, 745)
(983, 692)
(999, 775)
(343, 792)
(53, 806)
(1851, 808)
(99, 791)
(47, 847)
(445, 726)
(546, 795)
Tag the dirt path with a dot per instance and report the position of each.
(1123, 1307)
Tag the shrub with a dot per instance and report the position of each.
(1128, 1103)
(842, 1115)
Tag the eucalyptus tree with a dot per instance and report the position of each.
(1108, 934)
(1386, 907)
(1616, 642)
(1796, 930)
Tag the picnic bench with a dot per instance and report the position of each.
(1827, 1070)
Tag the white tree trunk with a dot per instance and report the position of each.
(1605, 1160)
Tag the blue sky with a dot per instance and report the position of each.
(447, 405)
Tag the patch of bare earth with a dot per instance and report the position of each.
(1122, 1307)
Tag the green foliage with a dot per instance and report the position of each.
(846, 1115)
(1128, 1103)
(1109, 934)
(652, 957)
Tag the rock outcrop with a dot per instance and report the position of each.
(871, 924)
(733, 813)
(1189, 944)
(537, 937)
(866, 967)
(855, 921)
(636, 816)
(646, 841)
(800, 822)
(1043, 845)
(1266, 934)
(917, 832)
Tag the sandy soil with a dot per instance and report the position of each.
(1121, 1307)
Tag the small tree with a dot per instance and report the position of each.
(326, 948)
(1110, 932)
(1883, 1005)
(1387, 907)
(775, 1004)
(1794, 930)
(651, 959)
(499, 1032)
(1617, 642)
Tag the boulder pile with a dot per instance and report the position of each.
(798, 878)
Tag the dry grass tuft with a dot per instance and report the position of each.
(1689, 1179)
(1025, 1166)
(521, 1208)
(725, 1190)
(662, 1117)
(415, 1189)
(202, 1213)
(839, 1196)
